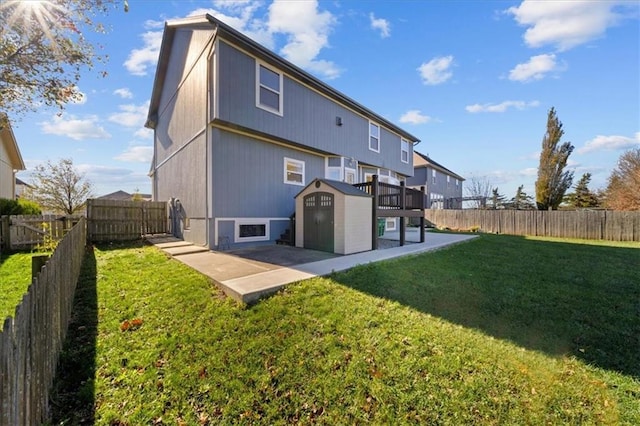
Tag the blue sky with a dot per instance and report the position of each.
(473, 80)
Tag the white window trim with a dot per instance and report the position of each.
(300, 163)
(258, 86)
(257, 221)
(390, 220)
(403, 143)
(371, 123)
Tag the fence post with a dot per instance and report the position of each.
(403, 194)
(37, 262)
(424, 202)
(374, 208)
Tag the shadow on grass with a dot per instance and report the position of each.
(72, 396)
(555, 297)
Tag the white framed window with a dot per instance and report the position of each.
(448, 180)
(374, 137)
(248, 230)
(268, 88)
(334, 168)
(457, 182)
(433, 177)
(404, 151)
(350, 175)
(390, 224)
(293, 171)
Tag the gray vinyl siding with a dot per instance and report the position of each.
(423, 176)
(248, 176)
(182, 112)
(308, 119)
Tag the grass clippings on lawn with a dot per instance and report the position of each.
(384, 343)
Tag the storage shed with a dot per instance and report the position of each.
(333, 216)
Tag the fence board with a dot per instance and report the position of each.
(587, 224)
(31, 341)
(118, 220)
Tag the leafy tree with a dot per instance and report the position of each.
(623, 189)
(553, 181)
(480, 190)
(44, 49)
(19, 206)
(583, 197)
(521, 201)
(497, 199)
(59, 187)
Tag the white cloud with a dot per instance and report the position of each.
(415, 116)
(564, 24)
(610, 143)
(381, 25)
(80, 97)
(240, 15)
(143, 133)
(437, 70)
(124, 93)
(136, 154)
(307, 30)
(501, 107)
(131, 115)
(536, 69)
(529, 171)
(140, 60)
(75, 128)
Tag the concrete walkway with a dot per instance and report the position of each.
(247, 280)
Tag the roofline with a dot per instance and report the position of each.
(227, 32)
(6, 133)
(431, 162)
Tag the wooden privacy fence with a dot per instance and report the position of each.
(19, 232)
(587, 224)
(117, 220)
(31, 341)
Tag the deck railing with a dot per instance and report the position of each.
(390, 196)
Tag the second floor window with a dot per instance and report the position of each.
(374, 137)
(404, 151)
(268, 89)
(433, 177)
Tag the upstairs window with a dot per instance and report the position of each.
(404, 151)
(293, 171)
(448, 180)
(374, 137)
(433, 177)
(268, 89)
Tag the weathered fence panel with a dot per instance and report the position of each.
(21, 232)
(31, 341)
(117, 220)
(587, 224)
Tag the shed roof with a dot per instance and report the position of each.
(342, 187)
(226, 32)
(8, 139)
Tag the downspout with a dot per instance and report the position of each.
(208, 186)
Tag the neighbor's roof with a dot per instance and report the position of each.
(343, 187)
(425, 161)
(8, 140)
(226, 32)
(122, 195)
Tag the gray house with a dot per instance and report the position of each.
(240, 131)
(10, 159)
(442, 186)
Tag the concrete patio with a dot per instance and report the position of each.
(249, 274)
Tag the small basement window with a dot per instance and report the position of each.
(253, 230)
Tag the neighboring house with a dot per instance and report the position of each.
(443, 187)
(10, 160)
(240, 131)
(124, 196)
(21, 187)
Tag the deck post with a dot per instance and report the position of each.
(424, 198)
(374, 215)
(403, 228)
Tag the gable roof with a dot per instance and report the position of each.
(228, 33)
(342, 187)
(122, 195)
(8, 140)
(427, 161)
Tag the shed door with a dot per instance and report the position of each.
(318, 221)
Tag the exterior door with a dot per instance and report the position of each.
(318, 221)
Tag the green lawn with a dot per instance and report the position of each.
(15, 277)
(499, 330)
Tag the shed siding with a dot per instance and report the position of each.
(308, 118)
(357, 224)
(248, 176)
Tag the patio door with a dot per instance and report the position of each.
(318, 221)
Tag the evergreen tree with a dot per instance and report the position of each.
(521, 201)
(497, 199)
(583, 197)
(553, 181)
